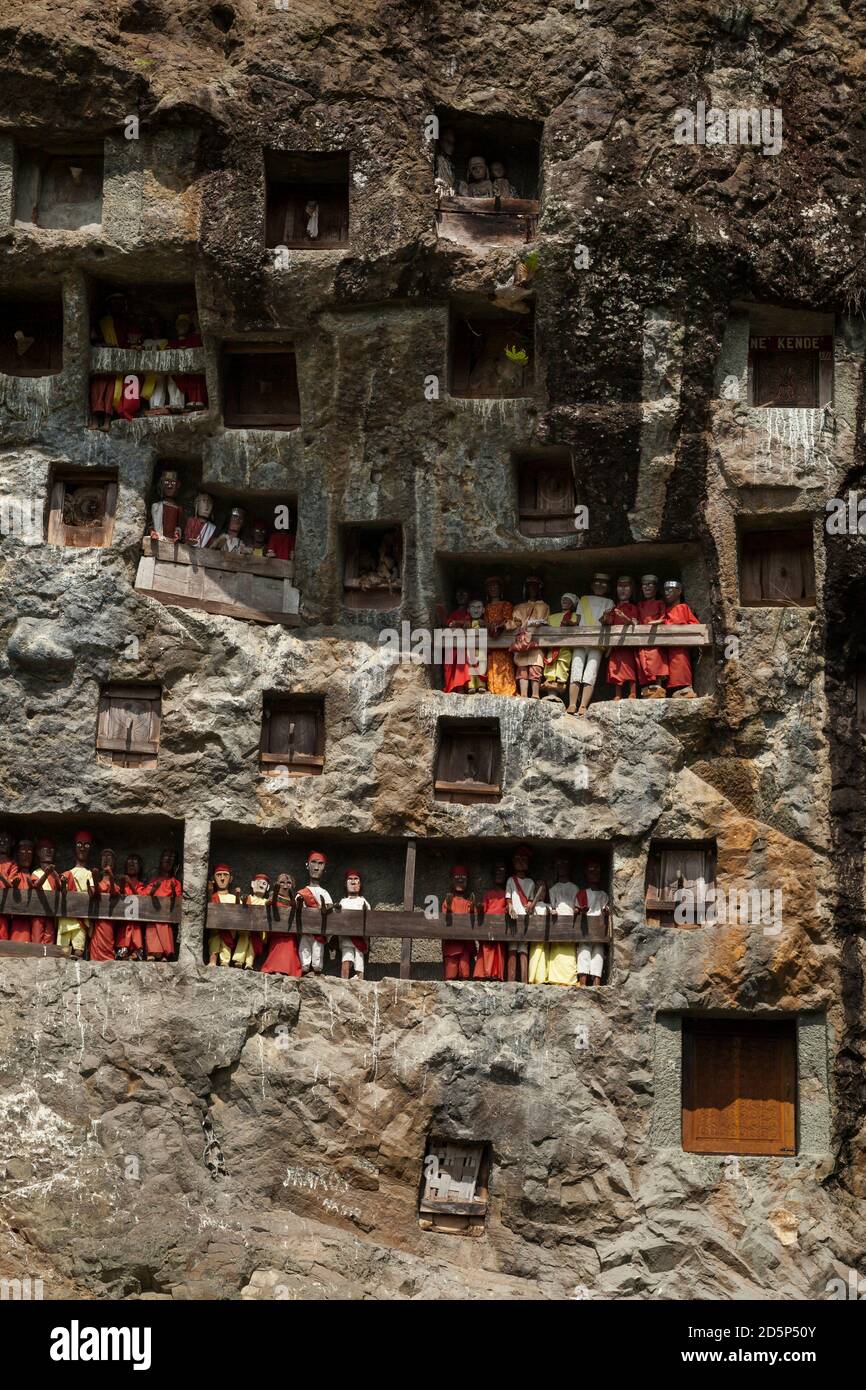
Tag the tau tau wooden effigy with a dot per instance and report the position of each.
(253, 587)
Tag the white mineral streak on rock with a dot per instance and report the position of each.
(794, 435)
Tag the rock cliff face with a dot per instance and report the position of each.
(172, 1130)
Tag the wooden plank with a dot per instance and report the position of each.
(405, 924)
(199, 558)
(479, 788)
(132, 692)
(408, 905)
(30, 948)
(227, 610)
(641, 635)
(122, 745)
(476, 1206)
(54, 903)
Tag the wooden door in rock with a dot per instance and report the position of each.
(739, 1086)
(293, 736)
(129, 723)
(777, 569)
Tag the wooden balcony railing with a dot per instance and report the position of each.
(254, 587)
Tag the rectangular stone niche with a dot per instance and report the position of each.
(777, 567)
(146, 836)
(307, 200)
(468, 761)
(31, 336)
(81, 507)
(790, 358)
(735, 1083)
(455, 1187)
(293, 735)
(59, 186)
(260, 386)
(372, 566)
(674, 865)
(491, 355)
(128, 728)
(569, 571)
(501, 206)
(546, 496)
(405, 882)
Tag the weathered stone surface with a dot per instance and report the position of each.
(169, 1131)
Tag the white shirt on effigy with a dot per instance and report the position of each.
(597, 901)
(528, 886)
(356, 904)
(561, 897)
(321, 894)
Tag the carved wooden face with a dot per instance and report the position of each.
(166, 861)
(648, 588)
(25, 854)
(461, 598)
(285, 884)
(497, 170)
(45, 855)
(624, 590)
(169, 485)
(494, 590)
(477, 169)
(134, 867)
(521, 863)
(260, 887)
(562, 869)
(599, 588)
(353, 885)
(82, 851)
(5, 843)
(592, 870)
(533, 590)
(673, 595)
(222, 878)
(500, 873)
(108, 859)
(315, 868)
(458, 882)
(204, 505)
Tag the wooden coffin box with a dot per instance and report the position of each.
(482, 221)
(251, 587)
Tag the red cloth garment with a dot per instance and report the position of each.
(159, 936)
(282, 955)
(172, 519)
(102, 936)
(652, 666)
(457, 673)
(679, 658)
(490, 961)
(102, 395)
(128, 934)
(457, 955)
(281, 544)
(20, 928)
(192, 385)
(130, 401)
(622, 663)
(309, 899)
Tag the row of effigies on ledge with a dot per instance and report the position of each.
(128, 394)
(525, 648)
(289, 933)
(84, 911)
(267, 538)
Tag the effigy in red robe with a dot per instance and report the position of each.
(102, 937)
(490, 961)
(652, 666)
(457, 955)
(280, 545)
(159, 936)
(128, 933)
(457, 673)
(679, 658)
(43, 930)
(622, 661)
(20, 928)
